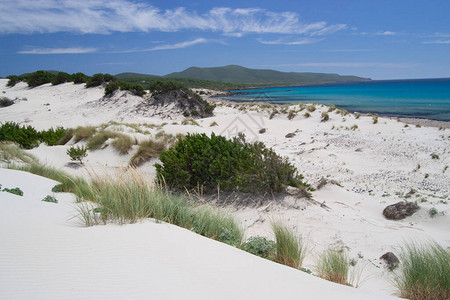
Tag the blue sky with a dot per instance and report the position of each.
(379, 39)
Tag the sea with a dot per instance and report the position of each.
(418, 98)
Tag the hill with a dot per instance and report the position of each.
(241, 75)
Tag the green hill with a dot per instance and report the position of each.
(241, 75)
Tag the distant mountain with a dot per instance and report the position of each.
(241, 75)
(135, 75)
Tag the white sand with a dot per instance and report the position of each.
(383, 167)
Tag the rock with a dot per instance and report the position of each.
(400, 210)
(391, 260)
(262, 130)
(290, 135)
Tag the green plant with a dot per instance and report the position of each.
(325, 116)
(79, 78)
(16, 191)
(39, 78)
(424, 272)
(148, 150)
(333, 265)
(123, 143)
(234, 165)
(434, 156)
(259, 246)
(10, 151)
(61, 77)
(290, 250)
(83, 132)
(28, 137)
(77, 153)
(97, 140)
(50, 199)
(4, 102)
(433, 212)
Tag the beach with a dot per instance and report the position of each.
(358, 166)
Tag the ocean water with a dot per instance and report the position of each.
(426, 98)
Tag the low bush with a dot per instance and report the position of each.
(113, 86)
(50, 199)
(61, 77)
(260, 246)
(424, 272)
(39, 78)
(4, 102)
(98, 79)
(77, 153)
(79, 78)
(28, 137)
(16, 191)
(290, 250)
(333, 265)
(13, 80)
(234, 165)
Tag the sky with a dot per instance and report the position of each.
(379, 39)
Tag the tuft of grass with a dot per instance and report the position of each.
(307, 115)
(97, 140)
(123, 143)
(354, 127)
(333, 265)
(424, 272)
(189, 121)
(375, 119)
(83, 133)
(291, 114)
(67, 137)
(214, 123)
(11, 151)
(434, 156)
(433, 212)
(127, 198)
(290, 250)
(311, 108)
(331, 107)
(147, 150)
(325, 116)
(273, 113)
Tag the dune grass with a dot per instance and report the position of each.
(97, 140)
(290, 250)
(83, 132)
(123, 143)
(147, 150)
(11, 151)
(333, 265)
(424, 272)
(128, 198)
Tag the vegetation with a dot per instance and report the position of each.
(290, 250)
(4, 102)
(291, 114)
(375, 119)
(135, 89)
(98, 79)
(28, 137)
(10, 151)
(333, 265)
(148, 150)
(425, 272)
(50, 199)
(434, 156)
(123, 143)
(233, 165)
(311, 108)
(77, 153)
(16, 191)
(83, 132)
(260, 246)
(61, 77)
(97, 140)
(325, 116)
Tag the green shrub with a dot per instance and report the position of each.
(50, 199)
(259, 246)
(135, 89)
(98, 79)
(16, 191)
(77, 153)
(434, 156)
(234, 165)
(28, 137)
(39, 78)
(333, 265)
(424, 272)
(165, 86)
(290, 250)
(13, 80)
(61, 77)
(80, 78)
(4, 102)
(111, 87)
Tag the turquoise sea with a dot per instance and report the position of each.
(421, 98)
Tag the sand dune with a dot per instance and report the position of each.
(368, 166)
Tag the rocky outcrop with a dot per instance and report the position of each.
(400, 210)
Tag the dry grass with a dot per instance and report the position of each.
(148, 150)
(311, 108)
(123, 143)
(189, 121)
(97, 140)
(83, 132)
(10, 152)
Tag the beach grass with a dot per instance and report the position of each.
(123, 143)
(424, 272)
(147, 150)
(333, 265)
(97, 140)
(290, 250)
(11, 151)
(83, 132)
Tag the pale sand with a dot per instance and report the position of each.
(384, 164)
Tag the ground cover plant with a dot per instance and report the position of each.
(4, 102)
(16, 191)
(233, 165)
(260, 246)
(424, 273)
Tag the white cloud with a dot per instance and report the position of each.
(387, 32)
(58, 51)
(438, 42)
(304, 41)
(168, 46)
(107, 16)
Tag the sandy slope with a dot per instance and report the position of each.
(374, 165)
(48, 254)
